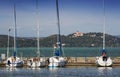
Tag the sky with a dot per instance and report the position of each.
(75, 15)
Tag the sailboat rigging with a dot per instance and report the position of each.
(57, 60)
(104, 60)
(8, 42)
(14, 61)
(59, 34)
(15, 31)
(38, 32)
(40, 62)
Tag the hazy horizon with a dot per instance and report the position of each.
(51, 35)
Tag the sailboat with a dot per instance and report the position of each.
(104, 60)
(14, 61)
(57, 60)
(39, 62)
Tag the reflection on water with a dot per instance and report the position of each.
(53, 68)
(105, 71)
(61, 72)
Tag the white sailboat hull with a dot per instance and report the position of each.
(106, 63)
(35, 64)
(56, 62)
(11, 62)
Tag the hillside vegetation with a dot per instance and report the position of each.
(86, 40)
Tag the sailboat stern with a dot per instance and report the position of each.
(104, 63)
(14, 62)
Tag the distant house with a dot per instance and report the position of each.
(93, 35)
(77, 34)
(92, 45)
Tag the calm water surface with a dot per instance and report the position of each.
(61, 72)
(68, 51)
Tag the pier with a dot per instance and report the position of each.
(73, 61)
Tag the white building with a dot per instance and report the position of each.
(77, 34)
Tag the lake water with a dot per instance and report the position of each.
(68, 51)
(61, 72)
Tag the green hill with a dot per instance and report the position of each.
(85, 40)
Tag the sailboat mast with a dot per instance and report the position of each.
(15, 31)
(104, 25)
(38, 27)
(58, 23)
(8, 42)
